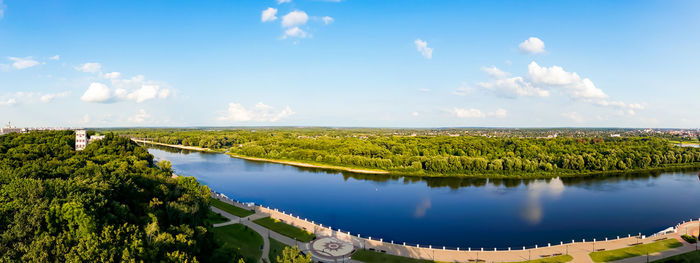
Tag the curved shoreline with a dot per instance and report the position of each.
(292, 163)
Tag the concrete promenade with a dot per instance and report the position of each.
(578, 249)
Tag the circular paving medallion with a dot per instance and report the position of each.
(330, 247)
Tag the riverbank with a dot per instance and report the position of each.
(482, 175)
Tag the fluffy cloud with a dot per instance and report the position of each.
(259, 113)
(56, 57)
(46, 98)
(327, 20)
(139, 117)
(422, 47)
(283, 1)
(268, 15)
(8, 102)
(295, 18)
(136, 89)
(532, 45)
(415, 114)
(499, 113)
(463, 90)
(295, 32)
(512, 88)
(556, 76)
(98, 93)
(23, 63)
(90, 67)
(495, 72)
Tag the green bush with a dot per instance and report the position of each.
(690, 239)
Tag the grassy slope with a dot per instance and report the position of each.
(214, 218)
(276, 249)
(285, 229)
(689, 257)
(557, 259)
(242, 238)
(633, 251)
(372, 256)
(234, 210)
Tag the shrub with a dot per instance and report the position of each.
(690, 239)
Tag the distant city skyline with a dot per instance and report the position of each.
(350, 63)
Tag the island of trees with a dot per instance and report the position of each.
(519, 153)
(108, 203)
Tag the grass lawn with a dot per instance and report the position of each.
(372, 256)
(214, 218)
(234, 210)
(682, 258)
(276, 249)
(557, 259)
(633, 251)
(285, 229)
(242, 238)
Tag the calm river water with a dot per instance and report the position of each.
(454, 212)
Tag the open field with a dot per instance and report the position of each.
(285, 229)
(241, 238)
(234, 210)
(633, 251)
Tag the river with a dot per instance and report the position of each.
(454, 212)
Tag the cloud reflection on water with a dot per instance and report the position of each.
(422, 208)
(532, 210)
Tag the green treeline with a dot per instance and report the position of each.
(108, 203)
(437, 155)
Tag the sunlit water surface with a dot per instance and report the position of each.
(454, 212)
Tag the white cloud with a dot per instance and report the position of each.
(573, 116)
(295, 32)
(495, 72)
(283, 1)
(112, 75)
(422, 47)
(259, 113)
(414, 114)
(327, 20)
(556, 76)
(294, 18)
(139, 117)
(499, 113)
(90, 67)
(463, 90)
(23, 63)
(268, 15)
(468, 113)
(532, 45)
(424, 90)
(145, 93)
(56, 57)
(513, 87)
(98, 93)
(8, 102)
(46, 98)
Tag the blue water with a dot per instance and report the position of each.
(454, 212)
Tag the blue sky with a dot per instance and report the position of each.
(350, 63)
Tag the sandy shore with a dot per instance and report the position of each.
(299, 164)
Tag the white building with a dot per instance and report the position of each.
(9, 129)
(81, 140)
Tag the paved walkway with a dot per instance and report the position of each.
(578, 250)
(247, 221)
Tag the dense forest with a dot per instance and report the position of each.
(437, 155)
(108, 203)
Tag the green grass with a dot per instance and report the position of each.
(241, 238)
(214, 218)
(633, 251)
(556, 259)
(689, 257)
(285, 229)
(234, 210)
(372, 256)
(276, 249)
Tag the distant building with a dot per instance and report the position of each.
(615, 135)
(81, 140)
(9, 129)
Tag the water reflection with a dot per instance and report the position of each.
(532, 211)
(422, 208)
